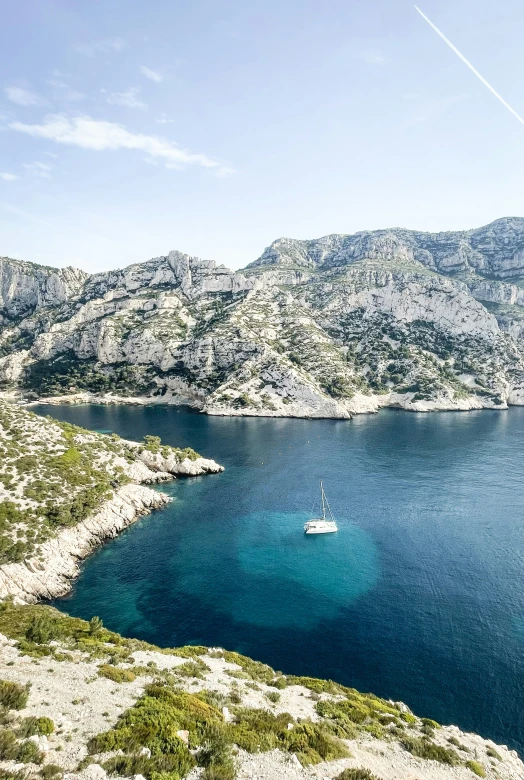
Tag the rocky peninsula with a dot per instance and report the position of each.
(64, 490)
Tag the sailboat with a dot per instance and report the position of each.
(322, 525)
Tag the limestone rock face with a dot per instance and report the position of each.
(25, 287)
(330, 327)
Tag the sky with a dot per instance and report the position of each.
(128, 129)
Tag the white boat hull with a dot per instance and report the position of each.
(320, 527)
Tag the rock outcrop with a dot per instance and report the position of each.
(331, 327)
(64, 490)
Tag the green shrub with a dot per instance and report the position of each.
(154, 720)
(219, 772)
(8, 745)
(215, 755)
(12, 695)
(42, 726)
(196, 668)
(12, 774)
(432, 724)
(422, 747)
(164, 766)
(476, 768)
(51, 772)
(42, 629)
(492, 753)
(115, 674)
(258, 730)
(356, 774)
(28, 753)
(95, 625)
(454, 741)
(273, 696)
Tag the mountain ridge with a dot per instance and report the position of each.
(325, 327)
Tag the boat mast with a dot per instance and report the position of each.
(323, 501)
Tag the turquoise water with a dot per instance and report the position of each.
(419, 597)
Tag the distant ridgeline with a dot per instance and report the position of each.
(322, 328)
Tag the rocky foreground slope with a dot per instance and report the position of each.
(82, 702)
(63, 490)
(324, 328)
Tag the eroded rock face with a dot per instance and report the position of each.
(26, 287)
(323, 328)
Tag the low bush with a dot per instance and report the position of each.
(432, 724)
(215, 755)
(29, 726)
(196, 668)
(476, 768)
(116, 674)
(8, 745)
(12, 695)
(42, 629)
(51, 772)
(422, 747)
(259, 730)
(165, 766)
(154, 720)
(454, 741)
(356, 774)
(14, 774)
(28, 753)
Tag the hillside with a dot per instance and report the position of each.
(82, 702)
(63, 490)
(322, 328)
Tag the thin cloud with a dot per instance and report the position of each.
(128, 99)
(151, 74)
(88, 133)
(471, 67)
(23, 97)
(163, 119)
(39, 170)
(8, 177)
(106, 46)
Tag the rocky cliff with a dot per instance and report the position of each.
(323, 328)
(98, 705)
(63, 490)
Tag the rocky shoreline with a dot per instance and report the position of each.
(50, 574)
(359, 404)
(47, 568)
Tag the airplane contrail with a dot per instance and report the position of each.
(470, 66)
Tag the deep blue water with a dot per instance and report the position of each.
(419, 597)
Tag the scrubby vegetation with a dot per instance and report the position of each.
(12, 695)
(53, 475)
(423, 747)
(356, 774)
(66, 373)
(178, 722)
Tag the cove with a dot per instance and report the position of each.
(419, 597)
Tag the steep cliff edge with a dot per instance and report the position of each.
(101, 705)
(63, 490)
(323, 328)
